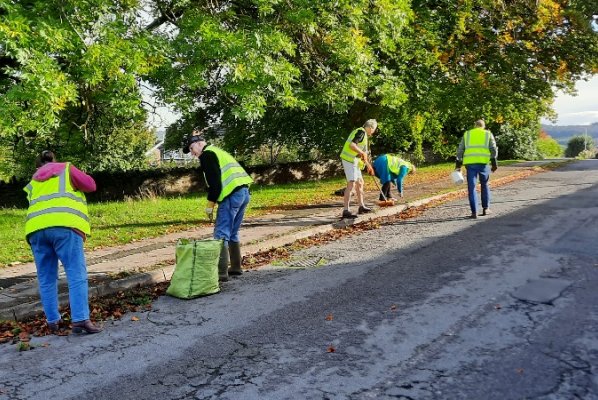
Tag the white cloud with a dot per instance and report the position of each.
(581, 109)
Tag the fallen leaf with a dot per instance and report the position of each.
(24, 337)
(393, 307)
(330, 349)
(134, 318)
(497, 306)
(519, 370)
(329, 317)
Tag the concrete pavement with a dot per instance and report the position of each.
(152, 260)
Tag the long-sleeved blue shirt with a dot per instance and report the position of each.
(385, 175)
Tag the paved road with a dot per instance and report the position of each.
(441, 307)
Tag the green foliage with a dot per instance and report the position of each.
(549, 148)
(70, 81)
(518, 142)
(578, 144)
(296, 74)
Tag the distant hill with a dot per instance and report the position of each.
(562, 134)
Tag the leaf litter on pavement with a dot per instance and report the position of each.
(139, 299)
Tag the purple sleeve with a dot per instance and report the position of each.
(81, 181)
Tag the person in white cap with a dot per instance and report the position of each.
(354, 157)
(228, 186)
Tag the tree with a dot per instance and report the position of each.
(295, 73)
(70, 79)
(548, 147)
(518, 143)
(426, 71)
(578, 144)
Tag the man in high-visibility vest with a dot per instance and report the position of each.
(228, 186)
(476, 150)
(391, 169)
(354, 157)
(56, 227)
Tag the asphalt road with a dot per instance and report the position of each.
(440, 307)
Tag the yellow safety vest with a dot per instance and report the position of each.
(395, 163)
(231, 173)
(477, 146)
(348, 154)
(54, 202)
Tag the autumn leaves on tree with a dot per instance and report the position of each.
(76, 75)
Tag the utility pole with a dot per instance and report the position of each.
(585, 141)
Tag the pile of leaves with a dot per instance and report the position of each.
(140, 299)
(108, 308)
(265, 257)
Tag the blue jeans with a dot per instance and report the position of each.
(473, 170)
(230, 215)
(48, 246)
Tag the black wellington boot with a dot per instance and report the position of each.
(223, 264)
(236, 259)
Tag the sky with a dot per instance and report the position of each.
(577, 110)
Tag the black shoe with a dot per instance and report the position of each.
(473, 216)
(347, 214)
(86, 327)
(485, 211)
(363, 210)
(55, 327)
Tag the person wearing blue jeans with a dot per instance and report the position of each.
(473, 172)
(476, 150)
(48, 246)
(230, 215)
(228, 186)
(56, 226)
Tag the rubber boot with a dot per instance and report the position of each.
(234, 249)
(223, 264)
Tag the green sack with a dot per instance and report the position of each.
(196, 271)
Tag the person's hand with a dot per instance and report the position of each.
(370, 170)
(494, 168)
(363, 156)
(210, 213)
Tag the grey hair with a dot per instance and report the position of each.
(370, 123)
(480, 123)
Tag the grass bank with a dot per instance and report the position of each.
(122, 222)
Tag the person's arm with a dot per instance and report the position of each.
(493, 152)
(402, 174)
(81, 181)
(460, 152)
(211, 170)
(358, 139)
(359, 136)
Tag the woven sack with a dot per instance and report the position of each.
(196, 271)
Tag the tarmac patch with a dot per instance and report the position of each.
(543, 291)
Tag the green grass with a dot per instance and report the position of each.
(121, 222)
(114, 223)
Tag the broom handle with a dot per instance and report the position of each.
(379, 188)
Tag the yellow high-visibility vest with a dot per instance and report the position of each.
(231, 173)
(348, 154)
(54, 202)
(477, 150)
(395, 163)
